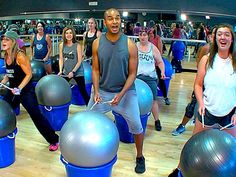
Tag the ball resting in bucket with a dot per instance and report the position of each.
(145, 96)
(7, 119)
(38, 70)
(211, 153)
(53, 90)
(89, 139)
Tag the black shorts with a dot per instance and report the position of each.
(210, 120)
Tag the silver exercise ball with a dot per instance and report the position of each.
(7, 119)
(145, 96)
(89, 139)
(210, 153)
(53, 90)
(38, 70)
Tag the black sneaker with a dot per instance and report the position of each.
(167, 101)
(175, 173)
(140, 165)
(158, 125)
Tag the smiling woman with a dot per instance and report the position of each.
(19, 74)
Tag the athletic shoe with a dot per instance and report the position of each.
(179, 130)
(167, 101)
(53, 147)
(158, 125)
(175, 173)
(140, 165)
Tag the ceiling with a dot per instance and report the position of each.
(198, 7)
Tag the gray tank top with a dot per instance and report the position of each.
(113, 62)
(70, 58)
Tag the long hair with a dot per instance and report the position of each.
(214, 47)
(64, 34)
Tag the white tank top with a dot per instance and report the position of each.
(146, 65)
(219, 95)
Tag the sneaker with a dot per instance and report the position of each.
(158, 125)
(140, 165)
(179, 130)
(167, 101)
(175, 173)
(53, 147)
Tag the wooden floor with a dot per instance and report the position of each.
(161, 149)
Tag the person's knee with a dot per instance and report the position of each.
(189, 111)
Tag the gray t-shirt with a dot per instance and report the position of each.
(70, 58)
(113, 62)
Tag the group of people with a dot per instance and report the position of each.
(116, 62)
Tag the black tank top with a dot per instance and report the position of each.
(88, 44)
(15, 74)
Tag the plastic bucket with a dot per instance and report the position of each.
(100, 171)
(2, 66)
(77, 98)
(56, 115)
(17, 110)
(167, 83)
(7, 149)
(178, 50)
(34, 83)
(123, 129)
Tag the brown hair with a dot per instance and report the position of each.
(214, 47)
(64, 33)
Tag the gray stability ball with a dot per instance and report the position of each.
(53, 90)
(38, 70)
(211, 153)
(145, 96)
(89, 139)
(7, 119)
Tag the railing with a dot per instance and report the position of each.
(56, 39)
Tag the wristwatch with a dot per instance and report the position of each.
(73, 72)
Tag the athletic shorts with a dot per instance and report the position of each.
(127, 107)
(211, 120)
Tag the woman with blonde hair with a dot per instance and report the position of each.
(89, 36)
(19, 74)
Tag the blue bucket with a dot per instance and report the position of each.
(77, 98)
(178, 50)
(2, 66)
(17, 110)
(123, 129)
(34, 83)
(7, 149)
(167, 84)
(56, 115)
(100, 171)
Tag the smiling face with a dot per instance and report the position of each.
(143, 37)
(69, 35)
(40, 27)
(112, 21)
(224, 38)
(91, 24)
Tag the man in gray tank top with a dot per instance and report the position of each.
(115, 62)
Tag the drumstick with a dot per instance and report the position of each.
(226, 126)
(203, 124)
(6, 86)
